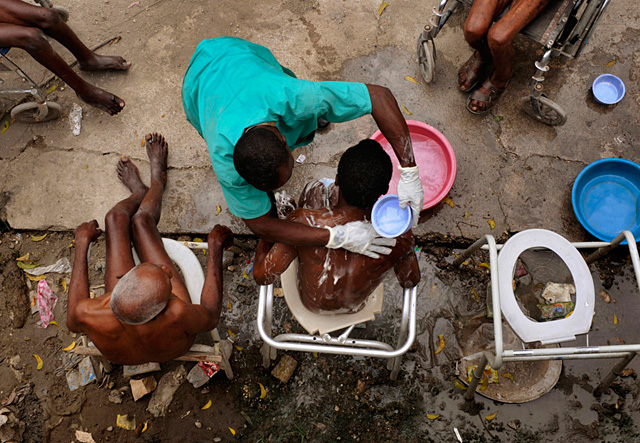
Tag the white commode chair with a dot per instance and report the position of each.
(193, 276)
(556, 331)
(319, 326)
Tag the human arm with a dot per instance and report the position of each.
(271, 260)
(388, 117)
(79, 286)
(356, 236)
(407, 269)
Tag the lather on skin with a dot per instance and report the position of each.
(338, 281)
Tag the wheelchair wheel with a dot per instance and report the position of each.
(544, 110)
(62, 12)
(27, 112)
(426, 59)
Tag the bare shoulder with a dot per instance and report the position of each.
(311, 217)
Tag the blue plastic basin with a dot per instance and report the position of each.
(606, 198)
(608, 89)
(388, 219)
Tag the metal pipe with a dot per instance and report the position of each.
(611, 376)
(475, 379)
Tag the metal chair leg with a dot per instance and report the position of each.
(477, 375)
(615, 373)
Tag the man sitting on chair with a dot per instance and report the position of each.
(334, 280)
(146, 313)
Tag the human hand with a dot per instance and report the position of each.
(361, 238)
(220, 235)
(410, 191)
(88, 231)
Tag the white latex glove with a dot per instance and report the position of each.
(410, 191)
(361, 238)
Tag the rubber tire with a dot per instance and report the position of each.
(63, 12)
(426, 60)
(25, 112)
(550, 112)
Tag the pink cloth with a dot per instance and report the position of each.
(46, 302)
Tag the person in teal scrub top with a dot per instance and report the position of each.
(252, 113)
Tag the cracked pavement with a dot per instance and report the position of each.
(511, 169)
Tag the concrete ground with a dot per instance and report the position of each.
(511, 169)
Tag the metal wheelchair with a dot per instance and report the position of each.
(39, 110)
(563, 29)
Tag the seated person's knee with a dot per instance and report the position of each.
(474, 31)
(115, 219)
(31, 39)
(48, 19)
(141, 221)
(498, 38)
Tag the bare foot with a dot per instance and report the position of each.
(129, 175)
(104, 63)
(157, 150)
(101, 99)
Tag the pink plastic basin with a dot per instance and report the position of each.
(435, 159)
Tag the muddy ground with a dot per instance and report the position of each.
(328, 398)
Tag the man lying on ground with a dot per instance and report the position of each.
(493, 44)
(27, 26)
(146, 313)
(339, 281)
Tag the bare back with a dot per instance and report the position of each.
(339, 281)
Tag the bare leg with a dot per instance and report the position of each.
(476, 29)
(500, 39)
(48, 20)
(146, 236)
(35, 43)
(118, 224)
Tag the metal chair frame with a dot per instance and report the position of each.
(342, 344)
(500, 355)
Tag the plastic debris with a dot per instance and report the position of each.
(82, 375)
(75, 119)
(210, 368)
(200, 374)
(459, 385)
(301, 158)
(62, 266)
(46, 301)
(558, 292)
(84, 437)
(556, 310)
(124, 422)
(458, 436)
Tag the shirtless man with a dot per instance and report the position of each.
(493, 44)
(339, 281)
(146, 313)
(27, 26)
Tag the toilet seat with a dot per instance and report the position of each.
(554, 331)
(187, 262)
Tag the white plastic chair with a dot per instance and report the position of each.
(501, 278)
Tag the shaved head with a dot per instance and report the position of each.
(141, 294)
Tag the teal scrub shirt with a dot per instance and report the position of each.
(232, 84)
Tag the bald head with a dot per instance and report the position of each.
(141, 294)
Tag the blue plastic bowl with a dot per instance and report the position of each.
(606, 198)
(608, 89)
(388, 219)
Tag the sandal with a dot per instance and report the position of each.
(473, 70)
(490, 100)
